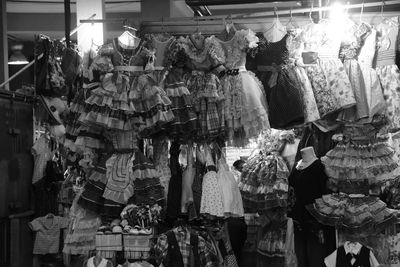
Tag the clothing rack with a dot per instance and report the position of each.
(39, 57)
(255, 21)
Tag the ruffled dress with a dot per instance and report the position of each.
(352, 42)
(148, 95)
(81, 234)
(231, 197)
(310, 109)
(360, 155)
(211, 198)
(184, 126)
(109, 105)
(119, 187)
(331, 85)
(92, 195)
(246, 110)
(364, 215)
(146, 182)
(388, 71)
(204, 85)
(264, 182)
(281, 85)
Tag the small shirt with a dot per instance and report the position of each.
(353, 248)
(47, 230)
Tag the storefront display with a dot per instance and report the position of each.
(142, 173)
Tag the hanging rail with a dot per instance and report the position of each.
(273, 13)
(39, 57)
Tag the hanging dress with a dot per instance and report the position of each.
(246, 111)
(203, 83)
(361, 155)
(281, 85)
(351, 45)
(264, 180)
(231, 197)
(108, 105)
(148, 95)
(310, 109)
(331, 85)
(388, 71)
(375, 98)
(211, 198)
(184, 127)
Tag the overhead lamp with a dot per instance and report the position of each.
(16, 57)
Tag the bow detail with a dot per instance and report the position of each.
(275, 69)
(151, 54)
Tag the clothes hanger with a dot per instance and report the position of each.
(292, 22)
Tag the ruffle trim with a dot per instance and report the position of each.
(178, 91)
(362, 152)
(365, 214)
(121, 196)
(103, 118)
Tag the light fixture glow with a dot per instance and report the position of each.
(337, 12)
(16, 57)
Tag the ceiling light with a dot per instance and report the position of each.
(16, 57)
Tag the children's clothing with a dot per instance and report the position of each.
(47, 230)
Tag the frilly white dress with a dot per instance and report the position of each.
(246, 111)
(231, 197)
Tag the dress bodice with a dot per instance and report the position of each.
(387, 32)
(157, 45)
(294, 44)
(353, 40)
(203, 58)
(271, 52)
(134, 56)
(323, 38)
(235, 48)
(368, 50)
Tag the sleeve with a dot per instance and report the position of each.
(216, 52)
(372, 260)
(159, 250)
(106, 50)
(35, 225)
(330, 261)
(247, 39)
(208, 257)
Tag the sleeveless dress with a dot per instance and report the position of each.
(351, 45)
(109, 104)
(246, 111)
(331, 85)
(204, 85)
(231, 197)
(388, 71)
(211, 198)
(281, 85)
(148, 95)
(375, 99)
(184, 127)
(310, 109)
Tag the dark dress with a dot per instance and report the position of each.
(175, 184)
(280, 84)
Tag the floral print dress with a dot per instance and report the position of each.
(331, 85)
(246, 114)
(388, 72)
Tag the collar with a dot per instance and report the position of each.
(301, 165)
(352, 247)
